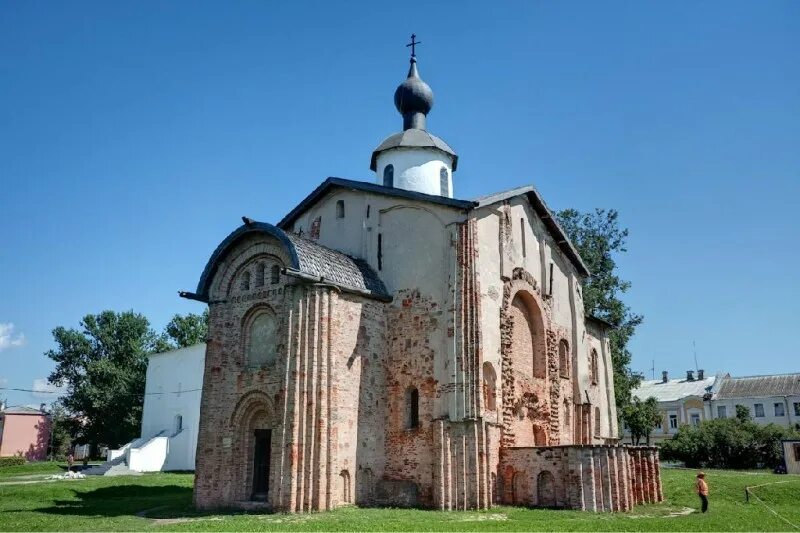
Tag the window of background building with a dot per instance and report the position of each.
(673, 421)
(796, 452)
(796, 408)
(779, 410)
(759, 408)
(722, 411)
(695, 418)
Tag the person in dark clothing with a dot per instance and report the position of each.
(702, 490)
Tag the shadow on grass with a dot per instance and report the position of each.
(166, 501)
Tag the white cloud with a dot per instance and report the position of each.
(8, 339)
(45, 390)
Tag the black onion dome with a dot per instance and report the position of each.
(413, 99)
(413, 95)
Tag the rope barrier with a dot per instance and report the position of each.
(748, 492)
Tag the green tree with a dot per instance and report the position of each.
(103, 366)
(187, 330)
(599, 238)
(728, 443)
(743, 413)
(65, 429)
(641, 417)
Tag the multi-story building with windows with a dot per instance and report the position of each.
(770, 399)
(681, 401)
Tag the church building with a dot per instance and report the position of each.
(387, 344)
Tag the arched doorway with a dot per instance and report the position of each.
(546, 489)
(252, 424)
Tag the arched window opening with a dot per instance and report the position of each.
(528, 353)
(412, 408)
(260, 269)
(444, 181)
(261, 345)
(346, 491)
(388, 176)
(178, 423)
(340, 209)
(245, 285)
(567, 415)
(593, 370)
(275, 274)
(522, 237)
(539, 436)
(563, 358)
(596, 421)
(489, 387)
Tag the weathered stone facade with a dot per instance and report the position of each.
(438, 363)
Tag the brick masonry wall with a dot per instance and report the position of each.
(583, 477)
(306, 395)
(410, 365)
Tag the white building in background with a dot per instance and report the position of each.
(681, 401)
(771, 399)
(170, 418)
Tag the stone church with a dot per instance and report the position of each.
(388, 344)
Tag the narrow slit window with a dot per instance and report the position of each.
(260, 269)
(444, 181)
(245, 284)
(380, 251)
(388, 176)
(368, 210)
(522, 237)
(412, 408)
(340, 209)
(275, 274)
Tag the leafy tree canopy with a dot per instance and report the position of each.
(728, 443)
(187, 330)
(641, 417)
(599, 238)
(103, 365)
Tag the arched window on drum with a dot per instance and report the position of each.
(388, 176)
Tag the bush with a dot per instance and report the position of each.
(14, 460)
(728, 443)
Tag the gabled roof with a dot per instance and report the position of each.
(306, 258)
(547, 217)
(674, 389)
(413, 138)
(352, 185)
(22, 410)
(535, 199)
(758, 386)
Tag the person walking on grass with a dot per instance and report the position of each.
(702, 490)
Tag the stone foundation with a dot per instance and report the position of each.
(582, 477)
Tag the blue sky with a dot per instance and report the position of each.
(133, 135)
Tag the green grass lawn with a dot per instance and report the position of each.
(112, 503)
(32, 469)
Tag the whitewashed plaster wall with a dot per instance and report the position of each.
(789, 418)
(416, 169)
(172, 389)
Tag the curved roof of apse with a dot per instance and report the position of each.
(306, 257)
